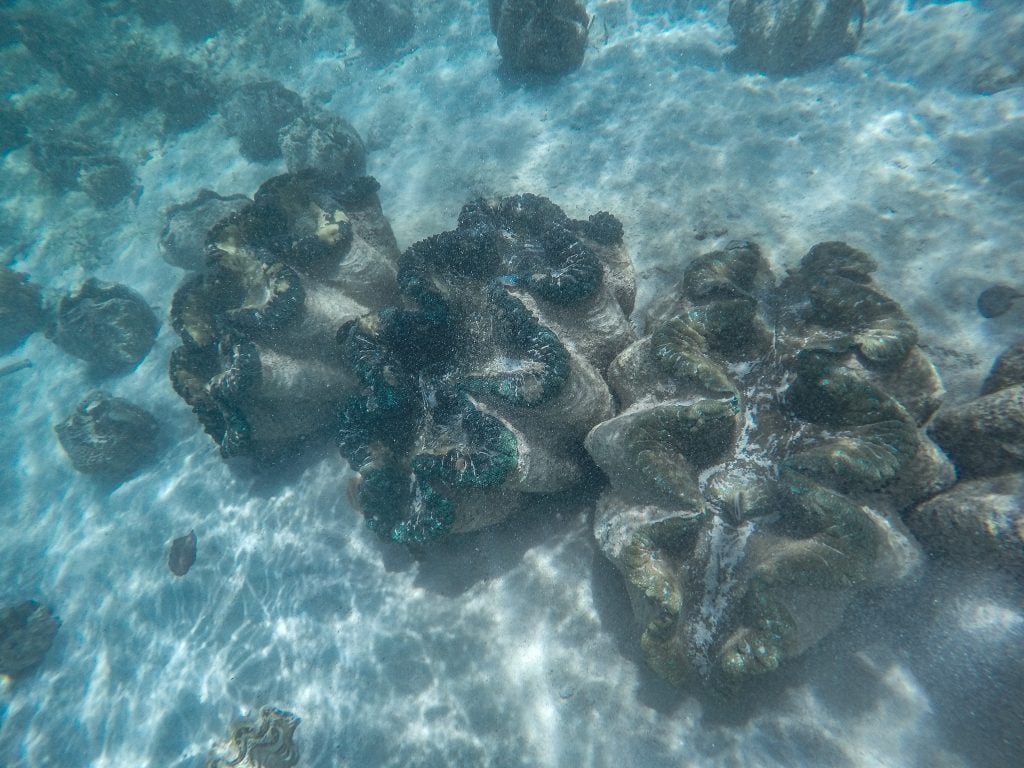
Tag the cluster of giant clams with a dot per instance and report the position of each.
(761, 437)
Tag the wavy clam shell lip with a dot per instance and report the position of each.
(479, 388)
(264, 741)
(756, 465)
(259, 362)
(981, 517)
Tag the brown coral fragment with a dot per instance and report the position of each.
(183, 554)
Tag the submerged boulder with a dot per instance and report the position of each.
(981, 519)
(786, 37)
(382, 26)
(74, 163)
(255, 113)
(27, 631)
(323, 142)
(543, 36)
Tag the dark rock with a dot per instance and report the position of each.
(108, 436)
(13, 130)
(978, 521)
(1007, 370)
(985, 436)
(27, 631)
(183, 554)
(195, 19)
(543, 36)
(997, 300)
(57, 43)
(785, 37)
(179, 89)
(110, 326)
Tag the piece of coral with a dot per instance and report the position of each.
(21, 309)
(182, 555)
(768, 437)
(108, 325)
(981, 519)
(259, 363)
(183, 239)
(108, 436)
(27, 631)
(543, 36)
(786, 37)
(475, 393)
(382, 26)
(266, 741)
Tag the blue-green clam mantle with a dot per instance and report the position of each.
(475, 392)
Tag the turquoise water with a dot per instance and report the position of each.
(514, 645)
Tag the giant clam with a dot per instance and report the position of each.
(768, 435)
(477, 391)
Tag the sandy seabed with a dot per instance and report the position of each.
(514, 647)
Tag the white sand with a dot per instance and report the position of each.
(513, 648)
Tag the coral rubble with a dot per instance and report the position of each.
(768, 438)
